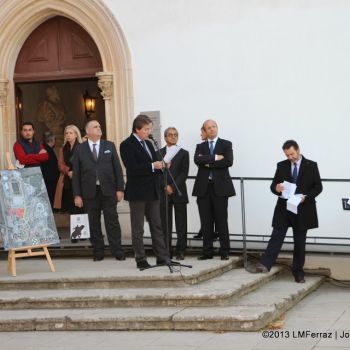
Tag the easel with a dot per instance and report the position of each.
(27, 251)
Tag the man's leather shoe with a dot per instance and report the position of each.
(143, 264)
(120, 257)
(257, 268)
(299, 279)
(205, 257)
(180, 256)
(225, 257)
(98, 258)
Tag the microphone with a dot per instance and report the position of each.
(150, 136)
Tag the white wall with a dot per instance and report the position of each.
(267, 71)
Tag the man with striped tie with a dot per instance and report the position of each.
(304, 173)
(143, 171)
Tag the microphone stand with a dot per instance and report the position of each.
(167, 172)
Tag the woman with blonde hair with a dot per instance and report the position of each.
(64, 192)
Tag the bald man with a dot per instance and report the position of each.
(213, 186)
(98, 185)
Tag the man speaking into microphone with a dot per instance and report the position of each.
(143, 190)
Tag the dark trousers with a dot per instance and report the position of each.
(51, 190)
(180, 210)
(213, 209)
(275, 244)
(138, 211)
(93, 207)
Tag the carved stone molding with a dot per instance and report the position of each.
(3, 91)
(105, 83)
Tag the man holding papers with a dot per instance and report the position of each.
(177, 160)
(297, 183)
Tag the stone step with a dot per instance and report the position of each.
(250, 313)
(216, 291)
(109, 273)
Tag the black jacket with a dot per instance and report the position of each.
(179, 169)
(142, 183)
(308, 183)
(223, 185)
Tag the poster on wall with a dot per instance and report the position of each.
(26, 217)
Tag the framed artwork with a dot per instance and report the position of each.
(26, 217)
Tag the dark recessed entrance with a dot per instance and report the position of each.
(56, 65)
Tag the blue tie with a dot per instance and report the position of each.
(211, 151)
(295, 173)
(211, 147)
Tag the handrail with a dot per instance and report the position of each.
(192, 177)
(243, 214)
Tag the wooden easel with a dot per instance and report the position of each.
(27, 251)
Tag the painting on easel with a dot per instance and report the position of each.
(26, 217)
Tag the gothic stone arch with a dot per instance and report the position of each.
(18, 18)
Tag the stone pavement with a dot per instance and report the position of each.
(325, 310)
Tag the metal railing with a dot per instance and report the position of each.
(316, 239)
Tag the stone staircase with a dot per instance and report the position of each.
(82, 295)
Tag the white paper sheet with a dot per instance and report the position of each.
(289, 189)
(293, 202)
(171, 153)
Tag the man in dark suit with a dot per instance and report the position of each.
(143, 190)
(178, 166)
(213, 186)
(304, 173)
(97, 185)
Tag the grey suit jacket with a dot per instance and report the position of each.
(86, 169)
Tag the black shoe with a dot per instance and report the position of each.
(120, 257)
(299, 279)
(198, 236)
(225, 257)
(143, 264)
(74, 240)
(205, 257)
(180, 256)
(98, 258)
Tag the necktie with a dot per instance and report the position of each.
(211, 147)
(211, 151)
(94, 152)
(143, 143)
(295, 173)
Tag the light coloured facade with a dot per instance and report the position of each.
(267, 71)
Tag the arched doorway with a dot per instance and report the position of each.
(56, 66)
(114, 79)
